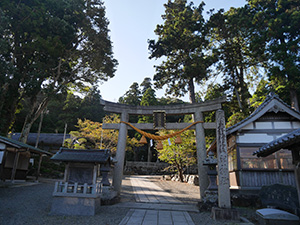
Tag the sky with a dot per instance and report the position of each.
(132, 24)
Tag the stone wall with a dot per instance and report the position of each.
(188, 178)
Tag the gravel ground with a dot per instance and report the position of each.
(31, 204)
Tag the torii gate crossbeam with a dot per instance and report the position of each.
(197, 110)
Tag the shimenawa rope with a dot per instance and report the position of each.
(157, 137)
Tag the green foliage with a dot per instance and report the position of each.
(64, 108)
(232, 38)
(277, 26)
(48, 169)
(235, 118)
(149, 98)
(91, 135)
(182, 41)
(146, 84)
(181, 155)
(49, 44)
(132, 96)
(262, 90)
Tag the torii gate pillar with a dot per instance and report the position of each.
(201, 154)
(120, 154)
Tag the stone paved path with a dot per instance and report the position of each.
(156, 217)
(155, 206)
(147, 191)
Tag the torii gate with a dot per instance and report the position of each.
(197, 110)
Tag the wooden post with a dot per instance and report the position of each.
(75, 188)
(2, 166)
(66, 172)
(56, 187)
(296, 161)
(149, 153)
(14, 169)
(65, 190)
(39, 167)
(297, 176)
(39, 130)
(95, 174)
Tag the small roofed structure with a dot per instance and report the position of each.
(271, 120)
(80, 192)
(290, 141)
(50, 142)
(82, 155)
(15, 157)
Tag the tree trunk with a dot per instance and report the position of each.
(32, 117)
(238, 86)
(294, 99)
(39, 130)
(179, 168)
(191, 87)
(7, 115)
(238, 98)
(25, 132)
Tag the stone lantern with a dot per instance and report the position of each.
(211, 162)
(210, 198)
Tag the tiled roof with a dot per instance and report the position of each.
(82, 155)
(20, 145)
(282, 142)
(259, 109)
(46, 138)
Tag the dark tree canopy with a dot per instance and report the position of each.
(146, 84)
(277, 25)
(132, 96)
(47, 45)
(232, 37)
(64, 108)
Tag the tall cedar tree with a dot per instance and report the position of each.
(277, 25)
(182, 41)
(232, 37)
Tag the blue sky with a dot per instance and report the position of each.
(132, 23)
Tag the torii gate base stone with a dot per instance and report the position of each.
(224, 210)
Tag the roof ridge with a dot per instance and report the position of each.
(269, 98)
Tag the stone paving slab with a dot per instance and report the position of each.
(156, 217)
(155, 206)
(147, 191)
(159, 206)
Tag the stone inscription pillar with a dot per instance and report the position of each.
(223, 173)
(120, 154)
(201, 154)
